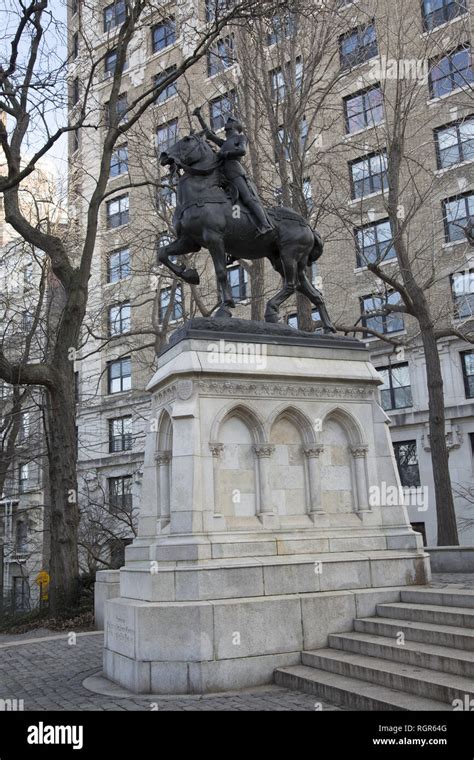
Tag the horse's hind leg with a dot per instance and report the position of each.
(179, 248)
(315, 296)
(287, 268)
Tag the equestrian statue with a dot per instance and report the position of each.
(218, 208)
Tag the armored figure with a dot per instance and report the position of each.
(231, 152)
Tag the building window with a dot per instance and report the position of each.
(23, 475)
(364, 109)
(215, 9)
(118, 265)
(120, 434)
(120, 494)
(221, 56)
(163, 34)
(374, 243)
(369, 175)
(171, 304)
(279, 79)
(114, 15)
(26, 321)
(455, 143)
(166, 136)
(282, 27)
(462, 288)
(117, 552)
(21, 594)
(119, 319)
(308, 194)
(121, 108)
(383, 323)
(395, 393)
(120, 375)
(221, 108)
(110, 62)
(457, 212)
(166, 197)
(117, 212)
(451, 72)
(467, 359)
(437, 12)
(407, 463)
(358, 46)
(119, 161)
(238, 281)
(21, 537)
(170, 89)
(75, 91)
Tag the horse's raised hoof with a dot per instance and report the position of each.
(191, 276)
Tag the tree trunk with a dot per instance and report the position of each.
(445, 511)
(257, 288)
(305, 318)
(64, 511)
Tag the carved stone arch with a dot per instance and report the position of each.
(298, 418)
(164, 436)
(347, 421)
(163, 456)
(248, 415)
(237, 432)
(344, 466)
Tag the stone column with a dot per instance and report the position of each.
(312, 454)
(216, 451)
(360, 454)
(163, 460)
(266, 512)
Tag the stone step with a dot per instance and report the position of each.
(461, 617)
(439, 596)
(441, 635)
(351, 692)
(431, 656)
(441, 687)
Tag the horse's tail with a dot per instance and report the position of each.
(317, 249)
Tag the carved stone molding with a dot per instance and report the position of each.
(454, 438)
(285, 390)
(360, 451)
(263, 450)
(165, 395)
(216, 449)
(313, 451)
(163, 457)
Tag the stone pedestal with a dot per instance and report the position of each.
(271, 510)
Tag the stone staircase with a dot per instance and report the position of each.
(416, 654)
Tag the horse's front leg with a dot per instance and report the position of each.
(179, 248)
(215, 245)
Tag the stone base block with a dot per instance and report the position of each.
(227, 644)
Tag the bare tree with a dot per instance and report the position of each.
(32, 85)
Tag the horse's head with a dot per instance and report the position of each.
(191, 151)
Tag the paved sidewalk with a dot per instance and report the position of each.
(47, 670)
(48, 675)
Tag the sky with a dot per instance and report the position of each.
(50, 103)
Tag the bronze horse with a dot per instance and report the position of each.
(206, 217)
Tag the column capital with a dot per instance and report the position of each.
(163, 457)
(216, 449)
(359, 451)
(263, 450)
(313, 451)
